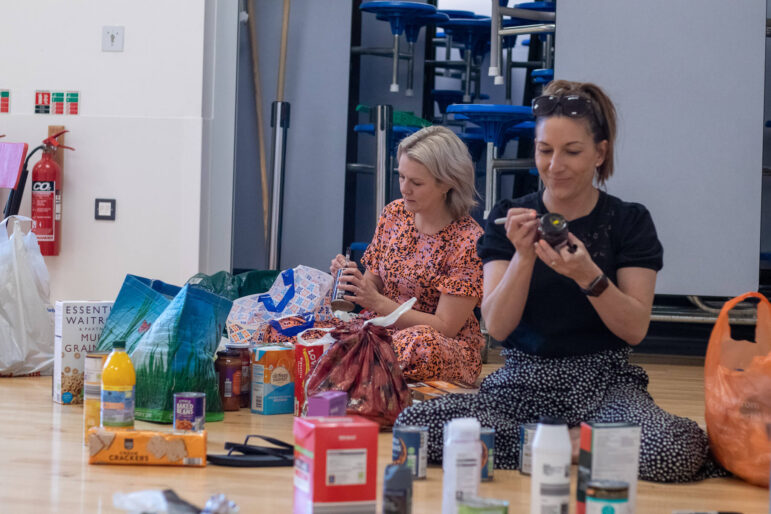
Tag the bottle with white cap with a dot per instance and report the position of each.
(461, 462)
(550, 480)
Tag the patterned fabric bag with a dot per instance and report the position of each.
(295, 292)
(286, 330)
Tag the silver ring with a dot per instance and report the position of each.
(553, 263)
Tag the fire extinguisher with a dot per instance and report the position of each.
(47, 197)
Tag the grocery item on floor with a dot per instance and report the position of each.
(228, 368)
(550, 481)
(487, 437)
(77, 326)
(362, 362)
(737, 394)
(461, 462)
(609, 451)
(92, 391)
(307, 352)
(189, 411)
(410, 448)
(148, 447)
(397, 490)
(328, 403)
(118, 389)
(272, 380)
(26, 316)
(335, 464)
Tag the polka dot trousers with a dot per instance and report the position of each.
(601, 387)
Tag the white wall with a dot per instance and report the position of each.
(687, 78)
(138, 136)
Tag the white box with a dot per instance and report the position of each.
(77, 327)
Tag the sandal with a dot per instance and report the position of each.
(252, 456)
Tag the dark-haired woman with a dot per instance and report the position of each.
(568, 317)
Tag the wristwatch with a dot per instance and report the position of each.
(598, 286)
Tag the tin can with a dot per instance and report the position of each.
(607, 497)
(487, 436)
(189, 411)
(246, 366)
(526, 435)
(92, 391)
(410, 448)
(482, 506)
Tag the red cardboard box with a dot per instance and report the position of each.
(306, 355)
(335, 465)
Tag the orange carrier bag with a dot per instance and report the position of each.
(737, 395)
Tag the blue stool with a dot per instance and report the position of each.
(399, 132)
(397, 14)
(473, 35)
(494, 119)
(446, 97)
(542, 76)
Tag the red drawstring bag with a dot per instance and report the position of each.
(362, 362)
(737, 395)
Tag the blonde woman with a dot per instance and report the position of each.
(425, 246)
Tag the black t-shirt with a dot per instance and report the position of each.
(558, 319)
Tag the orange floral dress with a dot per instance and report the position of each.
(425, 266)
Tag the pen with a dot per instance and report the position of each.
(501, 221)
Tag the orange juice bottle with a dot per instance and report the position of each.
(118, 388)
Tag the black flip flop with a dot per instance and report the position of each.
(252, 456)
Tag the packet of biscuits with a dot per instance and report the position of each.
(146, 447)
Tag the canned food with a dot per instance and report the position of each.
(482, 506)
(92, 390)
(189, 411)
(526, 436)
(487, 436)
(607, 497)
(410, 449)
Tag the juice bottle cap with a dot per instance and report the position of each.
(119, 345)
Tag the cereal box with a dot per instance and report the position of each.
(77, 327)
(272, 380)
(146, 447)
(306, 355)
(335, 464)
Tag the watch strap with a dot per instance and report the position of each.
(597, 286)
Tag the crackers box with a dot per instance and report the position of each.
(146, 447)
(608, 451)
(335, 464)
(272, 380)
(306, 355)
(77, 327)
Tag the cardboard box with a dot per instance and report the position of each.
(272, 380)
(328, 403)
(335, 465)
(77, 327)
(146, 447)
(306, 355)
(608, 451)
(422, 391)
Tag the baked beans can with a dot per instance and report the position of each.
(526, 436)
(482, 506)
(487, 436)
(410, 448)
(92, 390)
(607, 497)
(189, 411)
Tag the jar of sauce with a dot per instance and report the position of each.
(246, 364)
(228, 367)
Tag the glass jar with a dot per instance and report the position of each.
(246, 364)
(228, 367)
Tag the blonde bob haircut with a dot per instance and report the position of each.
(447, 159)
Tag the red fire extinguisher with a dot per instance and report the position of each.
(47, 197)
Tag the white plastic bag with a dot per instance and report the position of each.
(26, 316)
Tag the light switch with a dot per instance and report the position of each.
(104, 209)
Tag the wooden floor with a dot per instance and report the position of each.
(43, 462)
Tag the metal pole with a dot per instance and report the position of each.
(410, 70)
(490, 180)
(383, 134)
(495, 43)
(467, 92)
(279, 122)
(548, 56)
(395, 73)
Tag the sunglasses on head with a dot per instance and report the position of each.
(573, 106)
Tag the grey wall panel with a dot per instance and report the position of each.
(687, 78)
